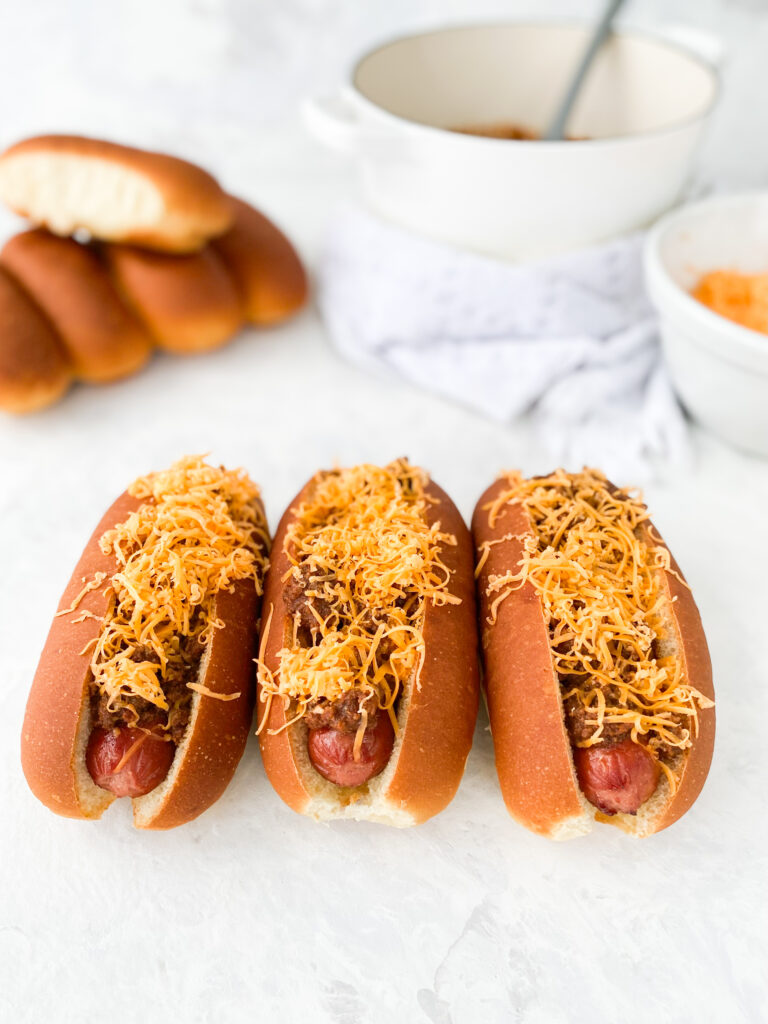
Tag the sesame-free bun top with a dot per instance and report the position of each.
(34, 368)
(265, 266)
(116, 193)
(188, 304)
(72, 288)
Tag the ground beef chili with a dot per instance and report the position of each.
(347, 713)
(303, 601)
(344, 714)
(309, 607)
(181, 668)
(372, 621)
(581, 722)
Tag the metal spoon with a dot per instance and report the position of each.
(556, 129)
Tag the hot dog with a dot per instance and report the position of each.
(597, 673)
(368, 676)
(145, 685)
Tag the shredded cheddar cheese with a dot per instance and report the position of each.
(361, 547)
(198, 530)
(742, 298)
(599, 586)
(88, 585)
(207, 692)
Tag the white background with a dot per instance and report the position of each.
(252, 913)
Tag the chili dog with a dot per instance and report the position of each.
(368, 677)
(145, 685)
(597, 673)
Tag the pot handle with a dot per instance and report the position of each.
(700, 43)
(333, 121)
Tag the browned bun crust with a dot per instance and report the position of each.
(279, 763)
(187, 303)
(532, 748)
(72, 287)
(440, 718)
(69, 183)
(57, 719)
(218, 731)
(443, 709)
(264, 264)
(34, 370)
(60, 687)
(697, 667)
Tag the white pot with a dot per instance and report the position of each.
(643, 109)
(720, 369)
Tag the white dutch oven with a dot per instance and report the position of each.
(643, 110)
(720, 369)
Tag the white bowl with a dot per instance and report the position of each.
(719, 369)
(643, 109)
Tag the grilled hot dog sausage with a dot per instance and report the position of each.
(128, 762)
(332, 752)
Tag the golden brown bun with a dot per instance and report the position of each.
(57, 719)
(533, 754)
(187, 303)
(34, 371)
(70, 285)
(218, 731)
(691, 644)
(50, 739)
(436, 716)
(265, 266)
(532, 748)
(116, 193)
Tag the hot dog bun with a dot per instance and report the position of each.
(188, 304)
(116, 193)
(533, 752)
(218, 731)
(34, 370)
(58, 718)
(264, 264)
(437, 711)
(71, 286)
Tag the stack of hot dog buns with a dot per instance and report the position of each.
(596, 670)
(162, 257)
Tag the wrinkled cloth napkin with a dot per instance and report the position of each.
(571, 340)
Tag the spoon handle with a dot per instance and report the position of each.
(556, 129)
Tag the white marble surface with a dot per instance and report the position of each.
(251, 912)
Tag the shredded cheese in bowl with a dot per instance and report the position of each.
(599, 586)
(361, 546)
(742, 298)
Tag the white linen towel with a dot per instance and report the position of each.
(571, 340)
